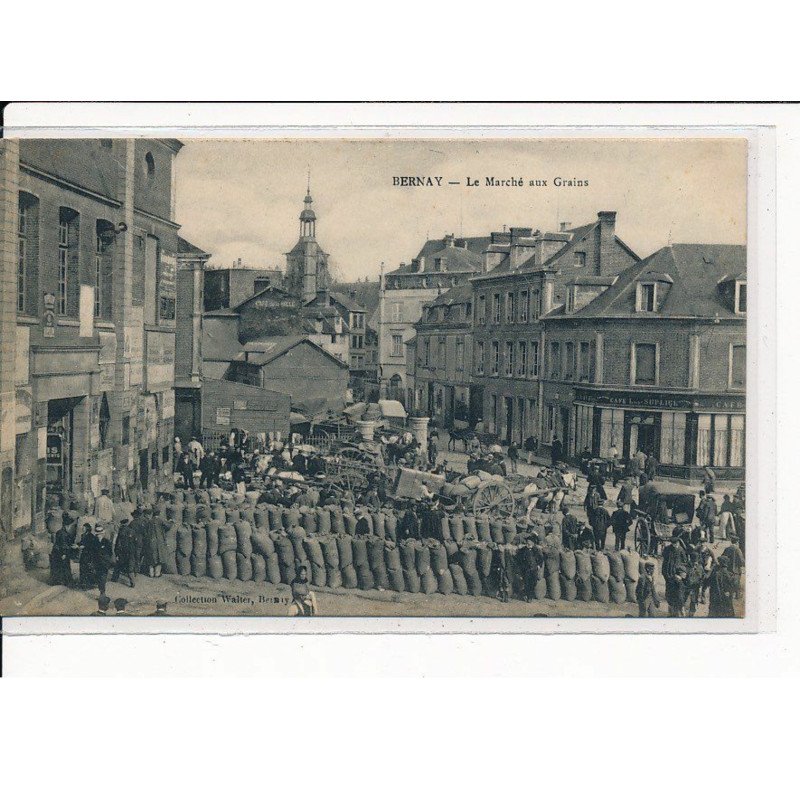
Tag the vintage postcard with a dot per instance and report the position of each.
(471, 376)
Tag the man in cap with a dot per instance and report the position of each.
(675, 568)
(646, 594)
(720, 590)
(600, 522)
(102, 557)
(620, 524)
(530, 559)
(125, 552)
(735, 559)
(570, 530)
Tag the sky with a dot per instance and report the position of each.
(241, 198)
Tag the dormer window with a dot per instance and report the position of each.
(740, 298)
(571, 300)
(646, 297)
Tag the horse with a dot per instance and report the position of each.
(463, 435)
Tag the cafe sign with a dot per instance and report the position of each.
(662, 401)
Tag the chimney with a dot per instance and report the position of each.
(606, 248)
(562, 226)
(238, 262)
(449, 240)
(522, 248)
(421, 264)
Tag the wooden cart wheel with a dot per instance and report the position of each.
(354, 454)
(494, 499)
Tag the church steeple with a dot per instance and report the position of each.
(308, 219)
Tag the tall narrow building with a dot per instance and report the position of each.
(307, 263)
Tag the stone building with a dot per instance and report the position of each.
(227, 287)
(91, 227)
(655, 361)
(440, 265)
(307, 263)
(526, 274)
(440, 365)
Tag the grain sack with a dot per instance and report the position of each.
(259, 567)
(337, 520)
(568, 565)
(313, 551)
(412, 581)
(296, 537)
(334, 577)
(244, 532)
(248, 516)
(457, 528)
(244, 567)
(323, 521)
(232, 515)
(583, 564)
(471, 481)
(484, 557)
(330, 553)
(408, 555)
(203, 513)
(215, 494)
(552, 561)
(199, 543)
(391, 526)
(189, 514)
(470, 528)
(376, 560)
(227, 538)
(197, 565)
(468, 558)
(365, 579)
(616, 566)
(630, 590)
(349, 577)
(214, 568)
(554, 586)
(496, 531)
(309, 518)
(261, 516)
(319, 576)
(184, 564)
(391, 557)
(583, 584)
(349, 523)
(396, 580)
(285, 550)
(438, 556)
(600, 566)
(569, 591)
(175, 513)
(459, 580)
(171, 538)
(630, 563)
(379, 524)
(452, 552)
(600, 589)
(273, 568)
(428, 582)
(275, 515)
(252, 496)
(616, 590)
(262, 543)
(368, 518)
(291, 517)
(344, 544)
(184, 537)
(212, 537)
(540, 589)
(423, 555)
(446, 534)
(483, 529)
(445, 582)
(169, 565)
(509, 531)
(360, 557)
(474, 584)
(218, 513)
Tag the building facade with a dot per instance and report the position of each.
(227, 287)
(526, 275)
(656, 362)
(307, 263)
(439, 266)
(91, 223)
(440, 365)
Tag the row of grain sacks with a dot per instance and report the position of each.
(238, 550)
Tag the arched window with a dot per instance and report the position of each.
(105, 421)
(27, 253)
(103, 268)
(150, 164)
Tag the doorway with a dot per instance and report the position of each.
(509, 431)
(144, 467)
(60, 444)
(565, 414)
(643, 433)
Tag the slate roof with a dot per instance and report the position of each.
(190, 249)
(458, 294)
(367, 293)
(696, 270)
(263, 351)
(456, 259)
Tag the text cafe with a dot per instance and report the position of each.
(685, 431)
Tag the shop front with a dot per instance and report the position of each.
(685, 431)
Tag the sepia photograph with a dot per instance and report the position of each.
(374, 377)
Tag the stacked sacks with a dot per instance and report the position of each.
(483, 530)
(184, 550)
(439, 566)
(394, 566)
(601, 572)
(377, 564)
(244, 533)
(391, 526)
(361, 564)
(457, 528)
(408, 558)
(291, 518)
(309, 520)
(446, 534)
(509, 531)
(262, 542)
(379, 524)
(344, 544)
(296, 537)
(323, 521)
(616, 580)
(470, 529)
(232, 514)
(248, 515)
(583, 578)
(459, 579)
(197, 561)
(203, 513)
(244, 566)
(496, 531)
(330, 555)
(275, 518)
(259, 566)
(631, 564)
(313, 550)
(261, 517)
(469, 565)
(484, 559)
(428, 582)
(218, 513)
(285, 552)
(337, 520)
(569, 589)
(273, 563)
(552, 572)
(349, 523)
(170, 565)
